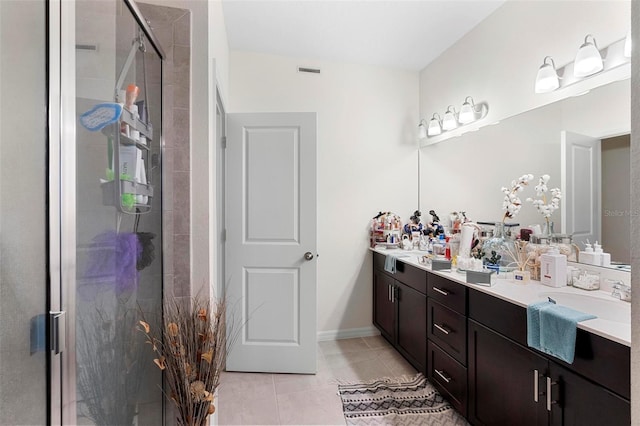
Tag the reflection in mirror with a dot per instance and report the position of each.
(467, 172)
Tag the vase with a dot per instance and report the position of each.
(547, 229)
(498, 249)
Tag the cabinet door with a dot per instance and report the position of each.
(583, 403)
(502, 381)
(383, 305)
(412, 326)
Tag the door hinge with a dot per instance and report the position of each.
(224, 142)
(58, 332)
(223, 235)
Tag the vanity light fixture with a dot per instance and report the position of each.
(627, 45)
(453, 121)
(422, 129)
(468, 111)
(589, 62)
(547, 79)
(449, 122)
(588, 59)
(434, 128)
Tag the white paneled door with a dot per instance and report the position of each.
(581, 165)
(271, 242)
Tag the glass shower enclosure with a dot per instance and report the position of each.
(80, 213)
(118, 217)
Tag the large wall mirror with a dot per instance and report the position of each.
(582, 142)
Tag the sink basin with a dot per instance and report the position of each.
(611, 310)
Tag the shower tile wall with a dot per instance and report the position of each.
(172, 27)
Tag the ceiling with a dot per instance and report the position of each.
(393, 33)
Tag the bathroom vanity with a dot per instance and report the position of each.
(471, 343)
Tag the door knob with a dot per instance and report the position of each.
(308, 255)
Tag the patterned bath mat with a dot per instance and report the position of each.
(403, 401)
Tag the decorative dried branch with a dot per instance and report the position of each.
(191, 349)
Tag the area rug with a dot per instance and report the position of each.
(403, 401)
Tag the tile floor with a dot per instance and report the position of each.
(292, 399)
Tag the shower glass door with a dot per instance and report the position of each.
(23, 213)
(118, 224)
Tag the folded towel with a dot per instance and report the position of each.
(390, 264)
(556, 329)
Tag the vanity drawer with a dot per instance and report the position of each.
(448, 329)
(411, 276)
(449, 377)
(449, 293)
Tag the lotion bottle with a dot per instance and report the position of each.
(553, 268)
(587, 256)
(598, 254)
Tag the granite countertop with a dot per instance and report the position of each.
(523, 294)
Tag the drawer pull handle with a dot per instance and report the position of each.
(441, 328)
(549, 401)
(441, 291)
(442, 375)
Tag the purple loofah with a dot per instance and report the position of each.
(114, 255)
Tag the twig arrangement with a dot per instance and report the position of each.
(191, 349)
(520, 254)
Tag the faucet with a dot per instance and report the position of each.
(621, 291)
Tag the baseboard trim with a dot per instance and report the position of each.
(349, 333)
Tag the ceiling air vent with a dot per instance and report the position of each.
(309, 70)
(91, 47)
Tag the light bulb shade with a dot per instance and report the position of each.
(627, 45)
(449, 122)
(547, 79)
(467, 112)
(588, 59)
(422, 130)
(434, 127)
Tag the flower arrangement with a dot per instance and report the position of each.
(546, 208)
(512, 203)
(191, 348)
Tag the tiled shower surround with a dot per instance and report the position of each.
(172, 27)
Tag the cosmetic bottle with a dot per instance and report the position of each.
(553, 268)
(603, 259)
(587, 255)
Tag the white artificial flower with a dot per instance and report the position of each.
(545, 208)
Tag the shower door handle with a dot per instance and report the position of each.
(58, 331)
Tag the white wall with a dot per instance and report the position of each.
(367, 161)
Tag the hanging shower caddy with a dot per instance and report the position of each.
(125, 193)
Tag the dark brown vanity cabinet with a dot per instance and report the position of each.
(512, 384)
(472, 346)
(400, 309)
(447, 333)
(502, 381)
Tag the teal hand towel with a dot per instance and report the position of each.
(533, 323)
(558, 329)
(390, 264)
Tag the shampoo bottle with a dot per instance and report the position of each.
(553, 268)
